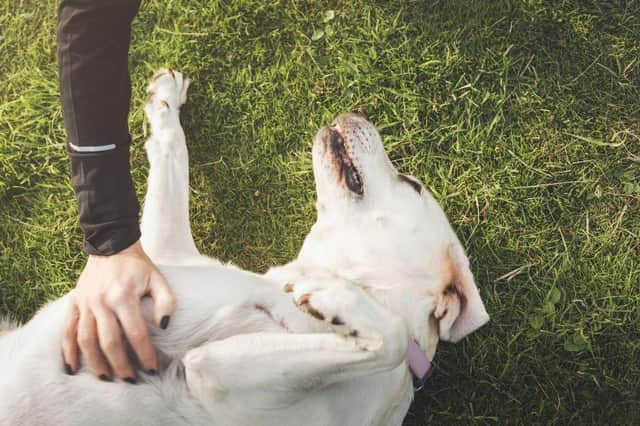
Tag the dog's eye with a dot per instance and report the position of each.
(415, 185)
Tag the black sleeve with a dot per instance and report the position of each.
(93, 47)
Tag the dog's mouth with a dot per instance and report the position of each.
(346, 168)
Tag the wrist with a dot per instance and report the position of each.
(134, 249)
(106, 242)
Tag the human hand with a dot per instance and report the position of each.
(105, 305)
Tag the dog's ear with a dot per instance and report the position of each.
(459, 308)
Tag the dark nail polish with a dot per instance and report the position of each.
(68, 370)
(152, 372)
(164, 322)
(104, 378)
(130, 380)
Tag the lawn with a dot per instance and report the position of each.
(521, 117)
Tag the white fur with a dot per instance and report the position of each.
(7, 325)
(319, 341)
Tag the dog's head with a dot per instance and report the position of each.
(386, 232)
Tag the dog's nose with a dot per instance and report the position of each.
(361, 113)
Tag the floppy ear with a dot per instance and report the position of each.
(459, 308)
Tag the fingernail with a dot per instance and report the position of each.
(130, 380)
(152, 371)
(68, 369)
(164, 322)
(104, 378)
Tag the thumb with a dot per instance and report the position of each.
(164, 302)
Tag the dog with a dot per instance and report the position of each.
(322, 340)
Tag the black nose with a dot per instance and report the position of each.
(361, 113)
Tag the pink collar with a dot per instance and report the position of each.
(419, 365)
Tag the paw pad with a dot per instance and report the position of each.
(337, 321)
(315, 313)
(304, 299)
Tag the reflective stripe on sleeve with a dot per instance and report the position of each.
(98, 148)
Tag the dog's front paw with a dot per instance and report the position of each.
(342, 306)
(349, 311)
(167, 91)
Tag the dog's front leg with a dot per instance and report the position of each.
(166, 232)
(363, 338)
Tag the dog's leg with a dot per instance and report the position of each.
(166, 232)
(366, 339)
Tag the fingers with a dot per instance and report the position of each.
(111, 343)
(135, 328)
(88, 342)
(105, 303)
(69, 338)
(163, 301)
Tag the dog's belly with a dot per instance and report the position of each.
(217, 302)
(214, 302)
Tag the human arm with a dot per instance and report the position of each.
(93, 43)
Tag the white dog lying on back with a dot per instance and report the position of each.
(319, 341)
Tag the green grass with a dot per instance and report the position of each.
(522, 117)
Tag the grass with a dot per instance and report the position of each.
(522, 117)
